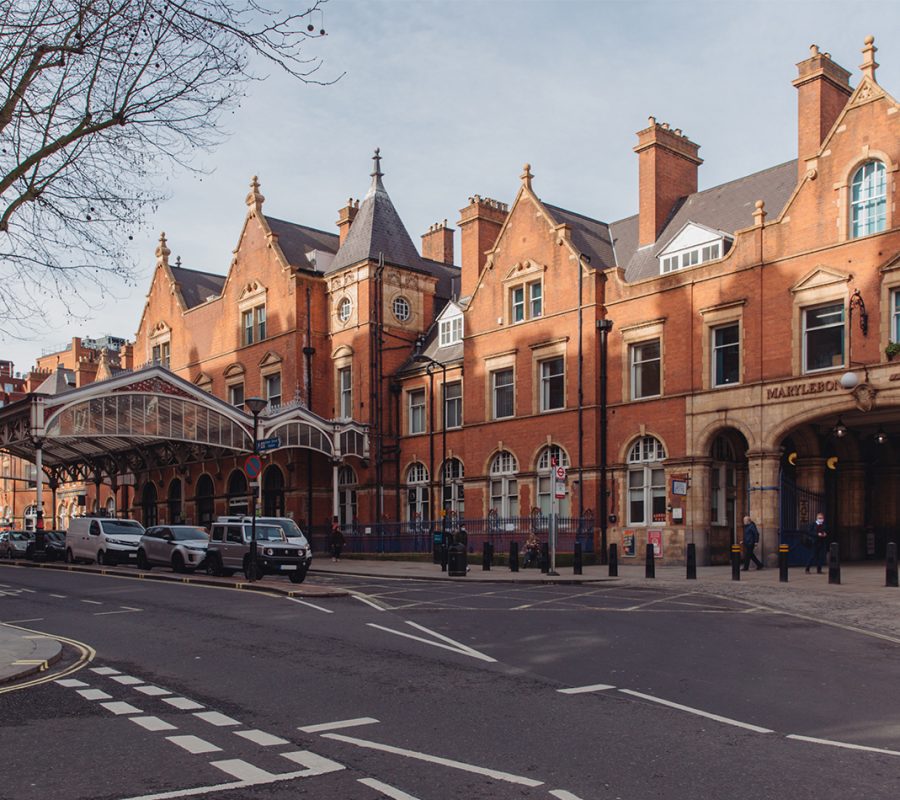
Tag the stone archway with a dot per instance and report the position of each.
(238, 494)
(149, 511)
(204, 499)
(273, 492)
(175, 506)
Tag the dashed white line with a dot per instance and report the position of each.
(363, 599)
(217, 719)
(152, 691)
(94, 694)
(153, 723)
(30, 591)
(121, 611)
(261, 738)
(444, 762)
(386, 790)
(60, 596)
(93, 602)
(127, 680)
(597, 687)
(311, 605)
(242, 770)
(562, 794)
(71, 683)
(121, 708)
(183, 703)
(845, 745)
(315, 764)
(105, 670)
(698, 712)
(194, 744)
(334, 726)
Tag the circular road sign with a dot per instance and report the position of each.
(560, 473)
(253, 466)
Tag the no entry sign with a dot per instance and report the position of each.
(253, 466)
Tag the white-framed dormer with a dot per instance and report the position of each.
(694, 244)
(451, 326)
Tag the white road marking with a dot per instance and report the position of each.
(122, 611)
(215, 718)
(658, 600)
(698, 712)
(242, 770)
(182, 702)
(464, 647)
(152, 691)
(30, 591)
(194, 744)
(597, 687)
(121, 708)
(334, 726)
(153, 723)
(364, 599)
(60, 596)
(456, 647)
(385, 789)
(444, 762)
(127, 680)
(94, 694)
(311, 605)
(93, 602)
(846, 745)
(315, 765)
(562, 794)
(21, 621)
(105, 670)
(71, 683)
(261, 738)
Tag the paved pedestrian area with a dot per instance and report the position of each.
(23, 653)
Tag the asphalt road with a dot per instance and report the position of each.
(433, 691)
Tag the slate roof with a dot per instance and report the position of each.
(60, 380)
(297, 240)
(728, 207)
(197, 286)
(590, 236)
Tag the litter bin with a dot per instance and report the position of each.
(456, 561)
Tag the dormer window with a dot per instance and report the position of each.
(694, 244)
(451, 331)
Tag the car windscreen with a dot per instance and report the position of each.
(290, 528)
(112, 527)
(269, 533)
(187, 534)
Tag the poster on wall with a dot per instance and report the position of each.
(628, 543)
(655, 538)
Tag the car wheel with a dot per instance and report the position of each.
(214, 565)
(70, 559)
(102, 559)
(299, 576)
(247, 573)
(142, 561)
(178, 562)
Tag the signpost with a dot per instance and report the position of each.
(559, 492)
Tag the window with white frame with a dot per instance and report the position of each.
(823, 337)
(726, 360)
(347, 483)
(868, 200)
(417, 505)
(161, 353)
(236, 394)
(452, 480)
(345, 306)
(416, 411)
(690, 258)
(553, 384)
(451, 331)
(260, 313)
(535, 300)
(646, 482)
(645, 369)
(504, 487)
(550, 457)
(345, 390)
(453, 404)
(526, 301)
(401, 308)
(503, 393)
(247, 327)
(273, 389)
(895, 316)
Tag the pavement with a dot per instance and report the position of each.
(860, 601)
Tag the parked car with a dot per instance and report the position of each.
(16, 544)
(229, 551)
(291, 529)
(183, 547)
(103, 539)
(54, 546)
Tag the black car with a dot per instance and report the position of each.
(54, 546)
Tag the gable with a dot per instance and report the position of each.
(820, 277)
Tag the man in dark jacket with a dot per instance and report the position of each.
(819, 539)
(751, 539)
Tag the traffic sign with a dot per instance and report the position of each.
(253, 466)
(271, 443)
(560, 473)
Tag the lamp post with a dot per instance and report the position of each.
(256, 406)
(604, 326)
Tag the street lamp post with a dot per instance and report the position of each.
(604, 326)
(256, 406)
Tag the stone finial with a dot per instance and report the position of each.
(377, 175)
(254, 196)
(869, 64)
(759, 215)
(162, 251)
(813, 50)
(526, 176)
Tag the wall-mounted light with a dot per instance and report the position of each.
(881, 436)
(839, 430)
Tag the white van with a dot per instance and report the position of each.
(104, 540)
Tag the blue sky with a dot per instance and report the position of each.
(459, 95)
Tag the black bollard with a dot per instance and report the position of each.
(783, 563)
(513, 556)
(614, 560)
(692, 562)
(735, 562)
(576, 559)
(444, 557)
(834, 563)
(890, 578)
(487, 556)
(650, 568)
(545, 558)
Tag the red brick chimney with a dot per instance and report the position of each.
(667, 164)
(479, 224)
(822, 92)
(437, 243)
(346, 216)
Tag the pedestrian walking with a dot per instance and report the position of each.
(751, 539)
(817, 539)
(337, 540)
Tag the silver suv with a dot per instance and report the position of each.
(229, 551)
(183, 547)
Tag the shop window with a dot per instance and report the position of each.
(868, 200)
(823, 337)
(645, 369)
(726, 345)
(646, 482)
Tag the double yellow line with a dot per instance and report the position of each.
(86, 654)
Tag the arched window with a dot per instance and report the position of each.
(273, 492)
(148, 505)
(30, 518)
(722, 482)
(504, 486)
(111, 507)
(646, 482)
(238, 496)
(550, 457)
(868, 200)
(347, 495)
(417, 491)
(61, 516)
(175, 516)
(452, 480)
(204, 500)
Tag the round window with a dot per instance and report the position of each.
(344, 308)
(401, 309)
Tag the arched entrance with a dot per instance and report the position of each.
(148, 505)
(176, 515)
(729, 494)
(238, 494)
(204, 498)
(273, 492)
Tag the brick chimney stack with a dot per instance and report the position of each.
(479, 223)
(437, 243)
(823, 89)
(346, 216)
(667, 165)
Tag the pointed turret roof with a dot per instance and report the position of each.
(59, 381)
